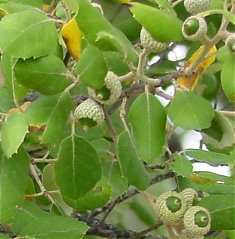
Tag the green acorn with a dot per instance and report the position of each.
(149, 43)
(110, 92)
(89, 114)
(190, 196)
(197, 221)
(170, 207)
(196, 6)
(230, 43)
(194, 28)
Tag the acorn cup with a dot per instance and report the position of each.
(196, 6)
(190, 196)
(170, 207)
(89, 114)
(197, 222)
(110, 92)
(149, 43)
(194, 28)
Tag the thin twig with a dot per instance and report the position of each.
(150, 229)
(110, 126)
(130, 193)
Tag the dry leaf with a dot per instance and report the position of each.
(22, 108)
(189, 82)
(72, 37)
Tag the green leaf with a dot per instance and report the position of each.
(57, 119)
(209, 156)
(99, 32)
(162, 25)
(13, 182)
(24, 29)
(33, 222)
(15, 90)
(96, 198)
(131, 165)
(35, 3)
(118, 182)
(6, 101)
(39, 110)
(14, 129)
(228, 76)
(222, 210)
(205, 183)
(115, 63)
(181, 165)
(48, 181)
(27, 213)
(60, 227)
(46, 75)
(220, 134)
(92, 67)
(164, 4)
(218, 178)
(77, 169)
(3, 236)
(148, 118)
(190, 111)
(12, 7)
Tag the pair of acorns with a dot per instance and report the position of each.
(179, 211)
(90, 112)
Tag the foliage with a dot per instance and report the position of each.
(67, 177)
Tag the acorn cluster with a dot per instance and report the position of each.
(179, 211)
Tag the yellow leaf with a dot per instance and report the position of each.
(189, 82)
(72, 37)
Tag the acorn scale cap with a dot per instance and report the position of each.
(192, 225)
(196, 6)
(166, 214)
(200, 31)
(149, 43)
(91, 110)
(189, 195)
(113, 85)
